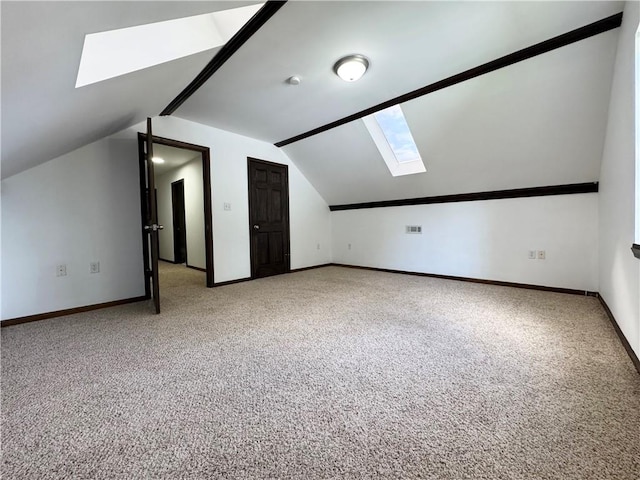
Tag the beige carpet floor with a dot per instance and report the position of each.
(327, 373)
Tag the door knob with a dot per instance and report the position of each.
(256, 227)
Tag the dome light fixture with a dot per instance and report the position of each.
(157, 160)
(351, 67)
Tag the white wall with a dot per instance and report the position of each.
(309, 214)
(76, 209)
(85, 206)
(619, 270)
(483, 239)
(191, 173)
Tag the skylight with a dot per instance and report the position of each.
(118, 52)
(390, 132)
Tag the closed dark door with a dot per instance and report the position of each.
(179, 222)
(268, 218)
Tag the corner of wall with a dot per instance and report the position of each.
(619, 272)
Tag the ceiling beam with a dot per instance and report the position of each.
(225, 53)
(568, 189)
(565, 39)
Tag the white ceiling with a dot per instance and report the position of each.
(173, 158)
(410, 45)
(539, 122)
(531, 124)
(43, 114)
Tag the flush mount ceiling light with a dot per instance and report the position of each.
(158, 160)
(351, 67)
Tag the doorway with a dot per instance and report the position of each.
(174, 241)
(268, 218)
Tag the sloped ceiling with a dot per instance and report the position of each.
(536, 123)
(539, 122)
(410, 44)
(43, 115)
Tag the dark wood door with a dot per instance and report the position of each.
(208, 217)
(179, 222)
(268, 218)
(150, 221)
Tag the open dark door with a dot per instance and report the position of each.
(151, 226)
(268, 218)
(149, 221)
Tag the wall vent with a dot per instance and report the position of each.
(413, 229)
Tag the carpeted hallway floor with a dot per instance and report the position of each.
(326, 373)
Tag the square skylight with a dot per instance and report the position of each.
(390, 132)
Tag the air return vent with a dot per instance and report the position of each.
(413, 229)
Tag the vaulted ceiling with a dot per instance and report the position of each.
(538, 122)
(43, 114)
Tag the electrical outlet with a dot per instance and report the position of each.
(94, 267)
(542, 255)
(532, 255)
(348, 246)
(227, 206)
(318, 247)
(61, 271)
